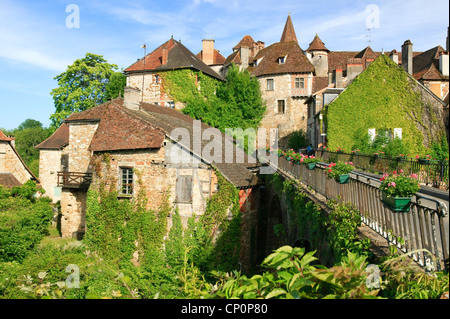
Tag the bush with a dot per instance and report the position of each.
(22, 226)
(298, 140)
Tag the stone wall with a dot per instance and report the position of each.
(80, 137)
(153, 92)
(73, 209)
(10, 162)
(296, 109)
(49, 166)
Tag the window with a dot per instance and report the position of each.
(171, 104)
(269, 84)
(299, 83)
(281, 60)
(156, 78)
(184, 189)
(281, 106)
(126, 181)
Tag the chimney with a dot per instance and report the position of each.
(165, 54)
(443, 63)
(338, 78)
(394, 56)
(208, 51)
(131, 98)
(407, 56)
(244, 52)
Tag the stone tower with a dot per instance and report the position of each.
(318, 55)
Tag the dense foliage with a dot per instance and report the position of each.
(235, 103)
(23, 221)
(86, 83)
(362, 106)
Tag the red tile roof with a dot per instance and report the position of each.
(295, 62)
(8, 180)
(317, 45)
(58, 140)
(178, 57)
(426, 65)
(246, 41)
(218, 59)
(288, 31)
(5, 138)
(118, 129)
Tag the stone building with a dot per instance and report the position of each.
(52, 161)
(145, 74)
(13, 170)
(141, 145)
(385, 97)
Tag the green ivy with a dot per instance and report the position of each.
(383, 96)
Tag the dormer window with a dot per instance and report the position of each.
(281, 60)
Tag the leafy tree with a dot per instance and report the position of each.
(86, 83)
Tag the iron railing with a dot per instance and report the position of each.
(429, 172)
(74, 179)
(421, 233)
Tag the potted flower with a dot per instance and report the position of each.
(310, 161)
(340, 171)
(398, 189)
(424, 160)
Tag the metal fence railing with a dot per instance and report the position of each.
(421, 232)
(429, 172)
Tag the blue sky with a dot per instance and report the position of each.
(36, 44)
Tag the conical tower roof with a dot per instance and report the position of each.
(317, 45)
(288, 32)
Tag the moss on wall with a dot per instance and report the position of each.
(384, 96)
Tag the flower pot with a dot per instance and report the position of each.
(397, 204)
(343, 179)
(311, 165)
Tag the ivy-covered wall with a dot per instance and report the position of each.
(385, 97)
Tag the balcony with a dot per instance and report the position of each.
(74, 180)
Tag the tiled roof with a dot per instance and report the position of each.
(234, 57)
(4, 138)
(339, 59)
(295, 62)
(9, 180)
(426, 65)
(120, 128)
(288, 34)
(319, 83)
(317, 45)
(246, 41)
(178, 57)
(169, 119)
(218, 59)
(58, 140)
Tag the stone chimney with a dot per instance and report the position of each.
(165, 55)
(394, 56)
(131, 98)
(443, 63)
(208, 51)
(407, 56)
(338, 78)
(244, 52)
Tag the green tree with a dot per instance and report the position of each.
(86, 83)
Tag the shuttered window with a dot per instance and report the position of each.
(184, 189)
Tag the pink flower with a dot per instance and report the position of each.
(391, 184)
(401, 171)
(414, 175)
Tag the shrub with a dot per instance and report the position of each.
(298, 139)
(22, 226)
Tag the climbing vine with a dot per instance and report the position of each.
(383, 96)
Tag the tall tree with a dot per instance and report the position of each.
(86, 83)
